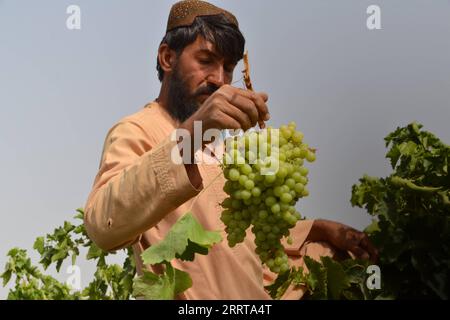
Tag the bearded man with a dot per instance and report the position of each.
(140, 190)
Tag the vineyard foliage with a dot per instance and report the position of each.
(411, 229)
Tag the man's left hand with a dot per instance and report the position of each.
(344, 238)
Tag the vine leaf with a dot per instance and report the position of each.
(184, 239)
(337, 279)
(316, 279)
(151, 286)
(277, 289)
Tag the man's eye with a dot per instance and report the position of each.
(205, 61)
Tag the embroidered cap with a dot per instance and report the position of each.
(183, 13)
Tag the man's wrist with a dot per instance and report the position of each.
(319, 231)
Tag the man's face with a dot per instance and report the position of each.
(199, 71)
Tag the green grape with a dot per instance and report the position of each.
(246, 169)
(284, 206)
(297, 176)
(249, 185)
(255, 200)
(275, 208)
(304, 180)
(269, 179)
(242, 180)
(284, 267)
(297, 137)
(303, 153)
(282, 172)
(289, 241)
(276, 269)
(311, 156)
(270, 201)
(226, 219)
(286, 197)
(236, 204)
(256, 192)
(271, 235)
(245, 194)
(278, 261)
(290, 183)
(243, 225)
(277, 191)
(304, 171)
(234, 174)
(263, 214)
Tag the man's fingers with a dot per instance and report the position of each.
(264, 96)
(369, 247)
(238, 115)
(229, 122)
(259, 99)
(360, 253)
(247, 106)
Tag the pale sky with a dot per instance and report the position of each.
(346, 86)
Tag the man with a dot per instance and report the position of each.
(140, 190)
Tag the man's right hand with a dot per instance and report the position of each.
(230, 108)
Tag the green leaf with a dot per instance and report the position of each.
(177, 239)
(80, 214)
(407, 148)
(162, 287)
(316, 279)
(60, 254)
(6, 277)
(373, 227)
(94, 252)
(39, 245)
(190, 251)
(394, 155)
(68, 226)
(182, 281)
(337, 280)
(281, 284)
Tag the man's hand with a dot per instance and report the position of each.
(344, 238)
(230, 108)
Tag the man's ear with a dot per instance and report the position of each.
(167, 58)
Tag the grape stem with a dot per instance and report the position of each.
(209, 184)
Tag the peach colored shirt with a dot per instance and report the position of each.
(139, 193)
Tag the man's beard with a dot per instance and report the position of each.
(181, 104)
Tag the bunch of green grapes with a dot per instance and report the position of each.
(261, 199)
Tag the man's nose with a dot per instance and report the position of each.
(217, 77)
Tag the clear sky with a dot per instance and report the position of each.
(346, 86)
